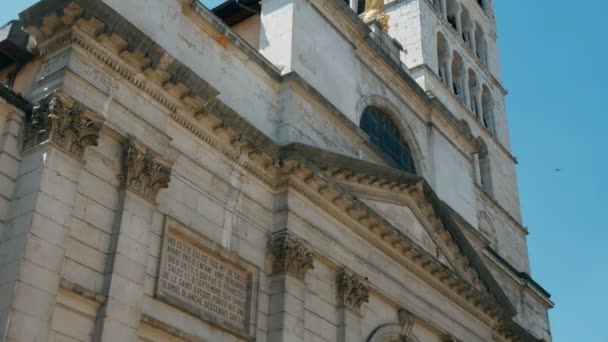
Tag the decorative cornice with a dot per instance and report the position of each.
(144, 172)
(352, 290)
(64, 122)
(290, 255)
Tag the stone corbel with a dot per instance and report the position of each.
(63, 122)
(290, 255)
(352, 291)
(144, 172)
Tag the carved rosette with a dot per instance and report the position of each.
(352, 290)
(144, 172)
(290, 255)
(62, 121)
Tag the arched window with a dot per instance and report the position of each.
(452, 14)
(458, 76)
(474, 93)
(481, 45)
(467, 27)
(443, 60)
(385, 134)
(487, 105)
(485, 172)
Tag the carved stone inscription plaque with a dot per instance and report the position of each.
(203, 283)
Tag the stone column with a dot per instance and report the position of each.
(291, 260)
(450, 78)
(466, 91)
(57, 133)
(477, 169)
(144, 174)
(459, 20)
(474, 41)
(444, 9)
(352, 293)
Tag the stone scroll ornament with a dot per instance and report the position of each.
(144, 172)
(62, 121)
(290, 255)
(352, 291)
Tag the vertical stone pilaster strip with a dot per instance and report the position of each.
(144, 174)
(291, 261)
(352, 293)
(47, 183)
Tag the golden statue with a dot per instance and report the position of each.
(374, 10)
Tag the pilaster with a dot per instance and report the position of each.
(56, 136)
(291, 261)
(352, 293)
(144, 174)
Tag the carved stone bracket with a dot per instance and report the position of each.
(352, 290)
(144, 172)
(290, 255)
(64, 122)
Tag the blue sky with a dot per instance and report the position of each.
(554, 64)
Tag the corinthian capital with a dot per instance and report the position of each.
(64, 122)
(290, 255)
(352, 290)
(144, 172)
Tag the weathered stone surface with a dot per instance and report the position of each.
(293, 226)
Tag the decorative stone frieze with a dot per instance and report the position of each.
(144, 172)
(290, 255)
(64, 122)
(352, 290)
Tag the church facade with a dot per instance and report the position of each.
(277, 170)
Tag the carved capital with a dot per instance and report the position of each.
(407, 320)
(290, 255)
(144, 172)
(64, 122)
(352, 290)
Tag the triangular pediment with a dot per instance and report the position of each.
(402, 217)
(405, 212)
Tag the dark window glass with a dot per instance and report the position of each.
(361, 6)
(385, 134)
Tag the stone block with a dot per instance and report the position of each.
(63, 165)
(9, 166)
(48, 230)
(99, 216)
(117, 331)
(24, 327)
(136, 250)
(39, 277)
(18, 226)
(124, 313)
(93, 187)
(34, 301)
(72, 325)
(53, 209)
(13, 249)
(82, 275)
(58, 187)
(85, 255)
(129, 269)
(23, 205)
(89, 235)
(7, 186)
(44, 254)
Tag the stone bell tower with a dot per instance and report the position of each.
(451, 49)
